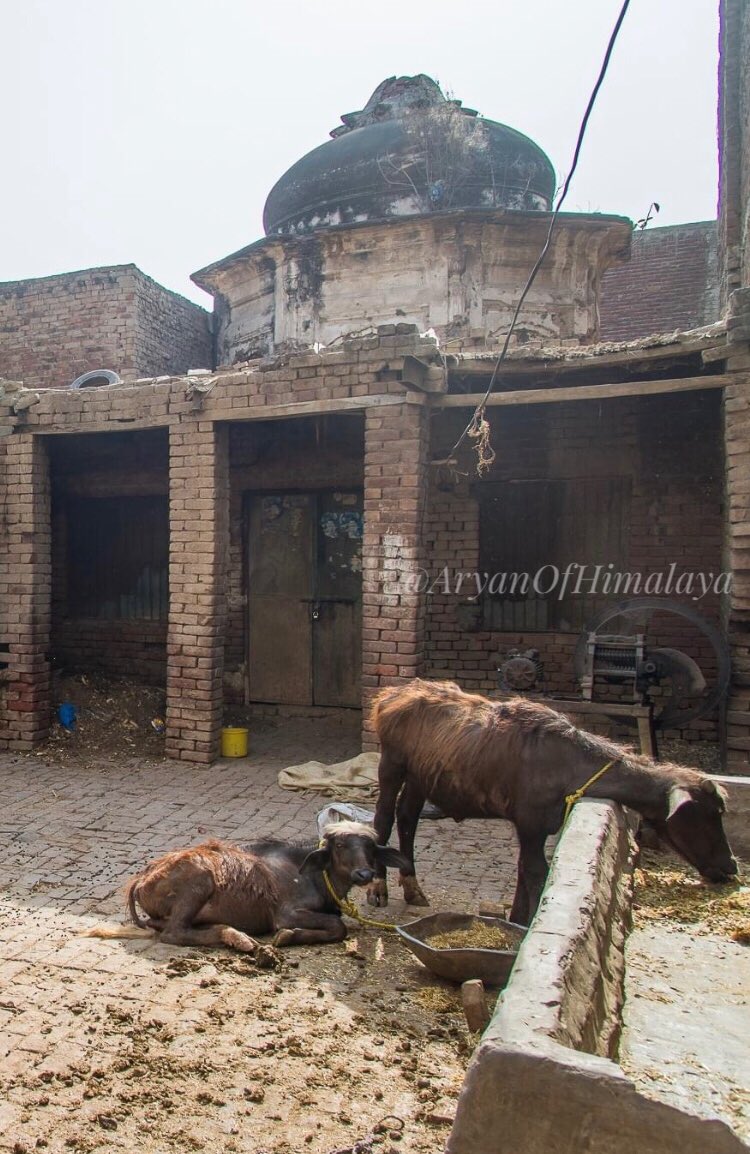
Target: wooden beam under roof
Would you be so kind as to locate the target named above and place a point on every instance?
(583, 392)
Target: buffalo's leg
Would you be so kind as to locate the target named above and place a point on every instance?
(216, 935)
(391, 775)
(409, 807)
(532, 874)
(178, 929)
(296, 927)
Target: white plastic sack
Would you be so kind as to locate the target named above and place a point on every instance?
(342, 811)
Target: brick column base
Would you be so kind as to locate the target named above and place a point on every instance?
(198, 546)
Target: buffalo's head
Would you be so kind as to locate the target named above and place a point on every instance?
(349, 853)
(694, 827)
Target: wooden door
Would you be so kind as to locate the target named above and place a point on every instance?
(305, 598)
(337, 626)
(280, 571)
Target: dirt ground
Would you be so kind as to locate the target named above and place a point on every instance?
(687, 1011)
(131, 1045)
(224, 1056)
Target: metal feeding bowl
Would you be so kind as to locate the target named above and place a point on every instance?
(464, 963)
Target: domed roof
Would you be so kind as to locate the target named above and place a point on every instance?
(409, 151)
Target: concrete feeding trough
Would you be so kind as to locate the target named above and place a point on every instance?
(462, 964)
(545, 1077)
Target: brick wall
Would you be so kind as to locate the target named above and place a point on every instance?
(53, 329)
(670, 447)
(25, 593)
(172, 334)
(737, 520)
(131, 649)
(671, 282)
(734, 145)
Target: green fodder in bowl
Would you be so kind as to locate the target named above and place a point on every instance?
(477, 936)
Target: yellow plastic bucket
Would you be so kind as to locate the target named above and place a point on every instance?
(234, 742)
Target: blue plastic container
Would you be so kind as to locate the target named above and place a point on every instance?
(67, 715)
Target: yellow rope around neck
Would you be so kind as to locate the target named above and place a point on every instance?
(572, 798)
(351, 910)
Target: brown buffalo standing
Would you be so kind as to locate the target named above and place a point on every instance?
(519, 760)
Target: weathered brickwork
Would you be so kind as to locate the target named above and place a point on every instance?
(130, 649)
(734, 145)
(396, 446)
(668, 446)
(363, 366)
(670, 282)
(53, 329)
(670, 450)
(25, 594)
(199, 520)
(737, 529)
(172, 334)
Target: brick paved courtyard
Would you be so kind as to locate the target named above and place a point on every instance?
(73, 1010)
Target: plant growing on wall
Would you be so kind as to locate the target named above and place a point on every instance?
(445, 147)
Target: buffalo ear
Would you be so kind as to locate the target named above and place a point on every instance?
(316, 861)
(678, 796)
(708, 785)
(393, 858)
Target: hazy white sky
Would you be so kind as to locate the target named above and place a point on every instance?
(151, 130)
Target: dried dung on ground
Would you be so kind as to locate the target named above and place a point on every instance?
(332, 1051)
(666, 890)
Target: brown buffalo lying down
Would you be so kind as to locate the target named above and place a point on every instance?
(519, 760)
(217, 894)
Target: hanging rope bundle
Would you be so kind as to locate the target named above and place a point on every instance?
(479, 431)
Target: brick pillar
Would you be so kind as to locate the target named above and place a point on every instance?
(737, 536)
(393, 622)
(198, 545)
(25, 586)
(734, 146)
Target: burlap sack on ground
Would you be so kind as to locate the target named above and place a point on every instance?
(352, 780)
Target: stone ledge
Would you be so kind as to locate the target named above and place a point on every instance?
(541, 1080)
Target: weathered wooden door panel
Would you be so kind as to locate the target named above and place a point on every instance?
(305, 598)
(280, 569)
(337, 629)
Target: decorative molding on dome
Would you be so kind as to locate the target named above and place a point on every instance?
(396, 97)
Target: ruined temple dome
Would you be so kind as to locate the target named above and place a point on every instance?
(410, 151)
